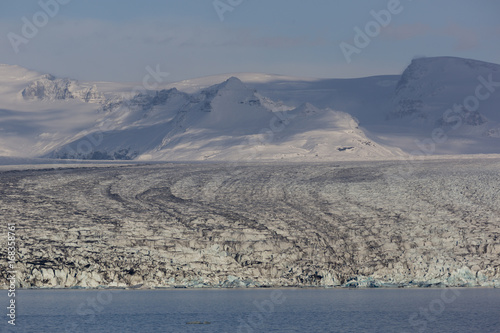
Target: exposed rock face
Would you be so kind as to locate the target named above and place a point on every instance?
(212, 225)
(49, 88)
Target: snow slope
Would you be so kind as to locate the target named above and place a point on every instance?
(251, 116)
(33, 127)
(226, 121)
(401, 110)
(458, 97)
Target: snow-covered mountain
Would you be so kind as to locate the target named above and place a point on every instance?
(226, 121)
(33, 125)
(250, 116)
(406, 111)
(429, 87)
(451, 103)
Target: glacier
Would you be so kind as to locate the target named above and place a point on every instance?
(177, 225)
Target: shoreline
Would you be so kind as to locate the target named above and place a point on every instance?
(253, 288)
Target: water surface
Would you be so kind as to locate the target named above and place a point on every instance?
(262, 310)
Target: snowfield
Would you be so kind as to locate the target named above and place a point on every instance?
(439, 105)
(349, 224)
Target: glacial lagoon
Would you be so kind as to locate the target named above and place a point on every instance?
(259, 310)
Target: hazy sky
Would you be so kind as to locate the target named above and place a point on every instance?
(114, 40)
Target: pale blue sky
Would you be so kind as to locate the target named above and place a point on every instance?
(114, 40)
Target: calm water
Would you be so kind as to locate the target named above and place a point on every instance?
(264, 310)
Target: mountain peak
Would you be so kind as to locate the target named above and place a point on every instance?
(231, 87)
(429, 87)
(432, 74)
(432, 67)
(447, 60)
(233, 83)
(307, 109)
(223, 117)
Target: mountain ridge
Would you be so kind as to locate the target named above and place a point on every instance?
(252, 117)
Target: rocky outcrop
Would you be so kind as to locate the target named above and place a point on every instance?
(47, 87)
(214, 225)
